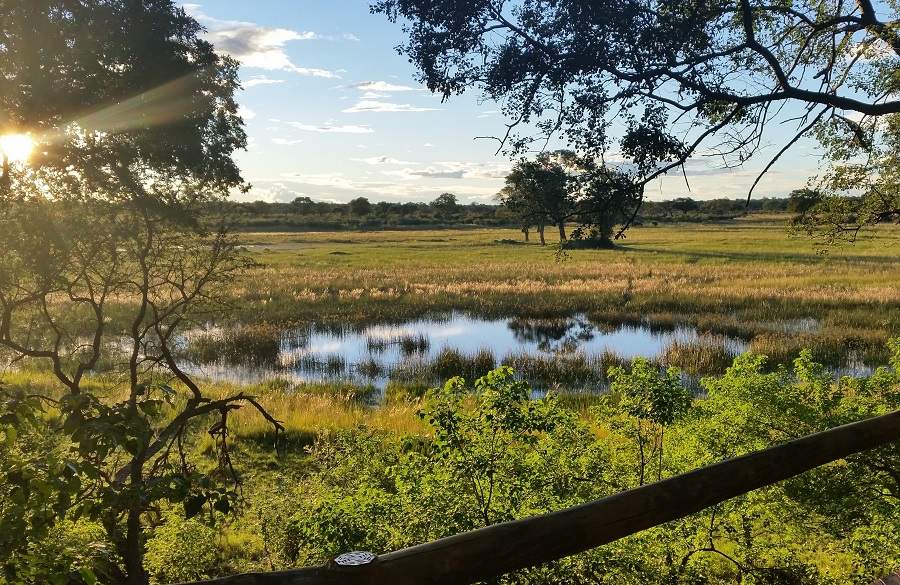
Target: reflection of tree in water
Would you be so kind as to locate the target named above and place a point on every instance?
(553, 335)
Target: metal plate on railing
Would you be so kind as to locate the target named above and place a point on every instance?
(355, 558)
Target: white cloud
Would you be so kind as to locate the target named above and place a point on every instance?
(488, 114)
(381, 107)
(381, 160)
(340, 187)
(350, 37)
(260, 80)
(254, 45)
(381, 87)
(429, 173)
(286, 142)
(330, 128)
(452, 170)
(246, 113)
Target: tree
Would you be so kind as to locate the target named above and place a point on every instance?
(539, 193)
(605, 196)
(445, 205)
(685, 205)
(802, 200)
(559, 187)
(861, 188)
(104, 258)
(613, 76)
(521, 205)
(360, 207)
(655, 401)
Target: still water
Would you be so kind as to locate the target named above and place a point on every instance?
(369, 355)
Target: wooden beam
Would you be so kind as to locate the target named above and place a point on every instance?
(501, 548)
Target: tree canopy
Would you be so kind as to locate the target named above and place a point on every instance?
(658, 82)
(107, 254)
(122, 98)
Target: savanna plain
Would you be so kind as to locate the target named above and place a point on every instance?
(760, 337)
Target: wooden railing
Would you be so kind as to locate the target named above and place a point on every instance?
(501, 548)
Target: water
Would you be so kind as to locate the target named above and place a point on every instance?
(371, 354)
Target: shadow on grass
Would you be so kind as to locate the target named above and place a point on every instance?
(803, 258)
(290, 440)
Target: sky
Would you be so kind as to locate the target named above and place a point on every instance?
(333, 112)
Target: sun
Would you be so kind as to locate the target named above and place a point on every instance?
(16, 147)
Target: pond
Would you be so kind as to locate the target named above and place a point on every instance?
(572, 351)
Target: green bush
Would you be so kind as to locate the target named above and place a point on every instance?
(181, 550)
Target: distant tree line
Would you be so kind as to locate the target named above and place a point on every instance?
(303, 213)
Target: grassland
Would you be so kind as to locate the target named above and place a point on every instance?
(745, 278)
(748, 278)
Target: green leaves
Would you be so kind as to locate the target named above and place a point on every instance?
(646, 393)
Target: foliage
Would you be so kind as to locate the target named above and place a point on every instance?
(181, 550)
(445, 205)
(360, 207)
(37, 482)
(859, 189)
(494, 455)
(304, 214)
(540, 192)
(104, 257)
(652, 401)
(489, 453)
(613, 78)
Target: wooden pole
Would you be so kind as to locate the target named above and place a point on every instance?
(501, 548)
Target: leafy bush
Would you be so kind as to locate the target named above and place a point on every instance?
(181, 550)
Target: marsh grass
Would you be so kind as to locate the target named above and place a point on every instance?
(369, 368)
(567, 371)
(448, 363)
(413, 344)
(396, 391)
(255, 343)
(701, 356)
(409, 344)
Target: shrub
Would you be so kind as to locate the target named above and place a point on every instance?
(181, 550)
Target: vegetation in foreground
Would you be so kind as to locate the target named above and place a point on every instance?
(345, 477)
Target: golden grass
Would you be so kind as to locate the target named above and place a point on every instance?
(681, 265)
(304, 409)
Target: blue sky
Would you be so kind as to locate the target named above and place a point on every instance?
(333, 113)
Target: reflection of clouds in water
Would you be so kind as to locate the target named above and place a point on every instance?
(322, 352)
(389, 332)
(327, 347)
(446, 331)
(430, 329)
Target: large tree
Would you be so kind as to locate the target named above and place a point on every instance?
(445, 205)
(560, 187)
(541, 191)
(659, 81)
(105, 257)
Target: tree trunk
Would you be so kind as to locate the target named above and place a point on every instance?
(134, 550)
(562, 231)
(525, 231)
(606, 234)
(541, 233)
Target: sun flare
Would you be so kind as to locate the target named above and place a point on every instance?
(16, 147)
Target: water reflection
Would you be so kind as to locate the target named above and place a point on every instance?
(553, 335)
(425, 350)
